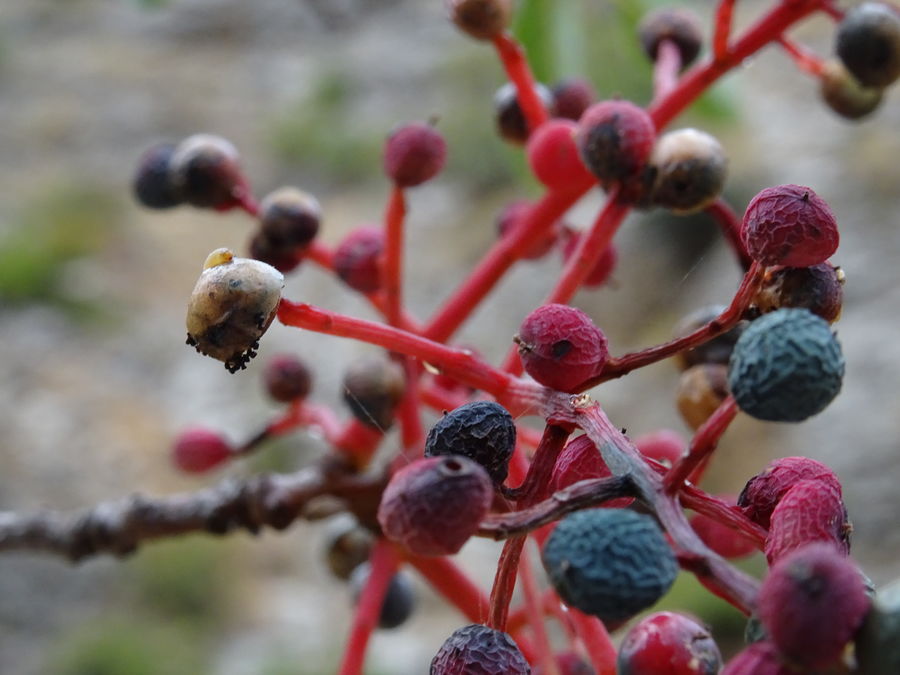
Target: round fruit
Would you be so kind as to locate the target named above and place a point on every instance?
(677, 25)
(482, 19)
(511, 122)
(287, 378)
(572, 97)
(399, 599)
(819, 288)
(811, 510)
(615, 139)
(151, 184)
(580, 460)
(719, 537)
(205, 171)
(282, 258)
(348, 547)
(689, 170)
(553, 155)
(844, 94)
(197, 450)
(479, 650)
(868, 42)
(356, 259)
(289, 217)
(373, 387)
(413, 154)
(667, 643)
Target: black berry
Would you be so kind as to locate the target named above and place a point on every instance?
(479, 650)
(151, 184)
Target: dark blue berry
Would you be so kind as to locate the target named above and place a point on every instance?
(399, 599)
(152, 186)
(611, 563)
(787, 366)
(483, 431)
(479, 650)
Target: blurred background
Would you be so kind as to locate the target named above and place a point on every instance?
(96, 378)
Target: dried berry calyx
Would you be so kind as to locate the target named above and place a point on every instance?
(482, 431)
(868, 42)
(667, 643)
(482, 19)
(688, 169)
(413, 154)
(231, 306)
(787, 366)
(679, 26)
(479, 650)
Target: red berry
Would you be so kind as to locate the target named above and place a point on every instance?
(413, 154)
(760, 658)
(604, 266)
(479, 650)
(664, 445)
(287, 378)
(762, 493)
(789, 225)
(561, 347)
(572, 97)
(720, 538)
(197, 450)
(553, 155)
(615, 139)
(677, 25)
(356, 259)
(811, 603)
(667, 643)
(811, 510)
(578, 461)
(513, 215)
(433, 506)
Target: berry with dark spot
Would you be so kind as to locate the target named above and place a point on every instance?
(478, 650)
(611, 563)
(602, 269)
(819, 288)
(667, 643)
(482, 19)
(413, 154)
(483, 431)
(152, 185)
(716, 350)
(810, 511)
(615, 139)
(205, 172)
(812, 603)
(680, 26)
(433, 505)
(689, 170)
(844, 94)
(760, 658)
(553, 155)
(789, 225)
(287, 378)
(373, 387)
(581, 460)
(572, 97)
(868, 42)
(701, 390)
(399, 599)
(197, 450)
(560, 347)
(787, 366)
(511, 122)
(356, 259)
(513, 215)
(289, 217)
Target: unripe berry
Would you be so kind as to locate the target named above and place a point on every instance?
(287, 378)
(231, 306)
(615, 139)
(810, 511)
(868, 42)
(811, 603)
(348, 547)
(716, 350)
(482, 19)
(760, 658)
(282, 258)
(205, 171)
(819, 288)
(373, 387)
(787, 366)
(356, 259)
(677, 25)
(512, 216)
(701, 389)
(689, 170)
(667, 643)
(762, 493)
(665, 446)
(151, 183)
(844, 94)
(511, 122)
(479, 650)
(433, 505)
(399, 598)
(553, 155)
(413, 154)
(789, 225)
(604, 266)
(581, 460)
(611, 563)
(719, 537)
(289, 217)
(561, 347)
(197, 450)
(482, 431)
(572, 97)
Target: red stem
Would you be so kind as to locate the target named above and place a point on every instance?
(666, 69)
(596, 641)
(519, 73)
(534, 611)
(383, 563)
(730, 224)
(505, 582)
(412, 434)
(702, 445)
(722, 29)
(358, 441)
(535, 486)
(453, 584)
(806, 60)
(392, 269)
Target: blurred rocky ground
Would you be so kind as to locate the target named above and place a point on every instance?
(95, 376)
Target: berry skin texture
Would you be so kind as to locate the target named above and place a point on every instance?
(482, 19)
(151, 185)
(356, 259)
(844, 94)
(399, 600)
(604, 266)
(787, 366)
(433, 505)
(615, 139)
(478, 650)
(611, 563)
(287, 378)
(512, 217)
(231, 306)
(553, 155)
(413, 154)
(812, 603)
(205, 171)
(760, 658)
(868, 42)
(789, 225)
(667, 643)
(373, 387)
(689, 169)
(482, 431)
(580, 460)
(572, 97)
(289, 217)
(680, 26)
(198, 450)
(810, 511)
(560, 347)
(819, 288)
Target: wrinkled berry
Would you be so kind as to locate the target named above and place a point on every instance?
(289, 217)
(689, 170)
(479, 650)
(811, 603)
(819, 288)
(483, 431)
(197, 450)
(615, 139)
(152, 184)
(231, 306)
(762, 493)
(572, 97)
(348, 546)
(553, 155)
(413, 154)
(678, 25)
(716, 350)
(760, 658)
(482, 19)
(561, 347)
(287, 378)
(667, 643)
(701, 389)
(205, 171)
(719, 537)
(811, 510)
(356, 259)
(787, 366)
(512, 216)
(511, 122)
(373, 386)
(604, 266)
(433, 505)
(581, 460)
(868, 42)
(844, 94)
(611, 563)
(789, 225)
(399, 599)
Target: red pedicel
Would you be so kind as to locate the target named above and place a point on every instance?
(719, 537)
(602, 269)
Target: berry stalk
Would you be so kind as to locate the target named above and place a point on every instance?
(722, 29)
(519, 73)
(392, 269)
(596, 641)
(806, 59)
(730, 224)
(702, 445)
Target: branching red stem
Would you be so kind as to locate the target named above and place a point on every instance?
(702, 445)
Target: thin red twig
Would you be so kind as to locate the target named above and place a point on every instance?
(519, 73)
(702, 445)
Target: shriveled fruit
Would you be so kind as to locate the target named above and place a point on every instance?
(810, 511)
(819, 288)
(478, 650)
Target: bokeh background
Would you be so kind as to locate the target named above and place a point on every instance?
(95, 376)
